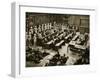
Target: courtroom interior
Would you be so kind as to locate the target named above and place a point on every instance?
(56, 39)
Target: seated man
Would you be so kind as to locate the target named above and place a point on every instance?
(57, 55)
(45, 53)
(64, 59)
(57, 40)
(45, 40)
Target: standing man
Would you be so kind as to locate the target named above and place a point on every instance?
(35, 40)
